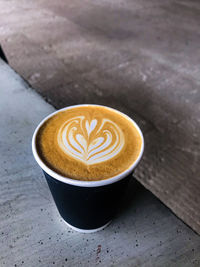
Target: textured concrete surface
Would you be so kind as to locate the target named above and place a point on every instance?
(144, 233)
(141, 57)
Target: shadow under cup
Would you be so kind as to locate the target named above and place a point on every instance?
(86, 206)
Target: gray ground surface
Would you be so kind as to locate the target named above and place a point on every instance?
(141, 57)
(144, 233)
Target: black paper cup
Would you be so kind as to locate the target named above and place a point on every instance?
(86, 206)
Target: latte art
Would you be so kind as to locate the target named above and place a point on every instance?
(88, 142)
(91, 141)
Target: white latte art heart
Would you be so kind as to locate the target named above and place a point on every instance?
(91, 141)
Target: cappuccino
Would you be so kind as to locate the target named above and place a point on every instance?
(89, 142)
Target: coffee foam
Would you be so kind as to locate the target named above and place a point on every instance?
(88, 142)
(91, 141)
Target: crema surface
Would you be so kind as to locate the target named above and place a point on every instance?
(88, 143)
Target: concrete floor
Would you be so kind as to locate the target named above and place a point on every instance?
(144, 233)
(141, 57)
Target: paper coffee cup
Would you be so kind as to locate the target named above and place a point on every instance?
(86, 206)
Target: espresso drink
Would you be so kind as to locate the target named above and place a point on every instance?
(88, 142)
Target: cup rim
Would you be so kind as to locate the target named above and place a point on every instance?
(81, 183)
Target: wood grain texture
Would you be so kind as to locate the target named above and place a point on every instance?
(32, 233)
